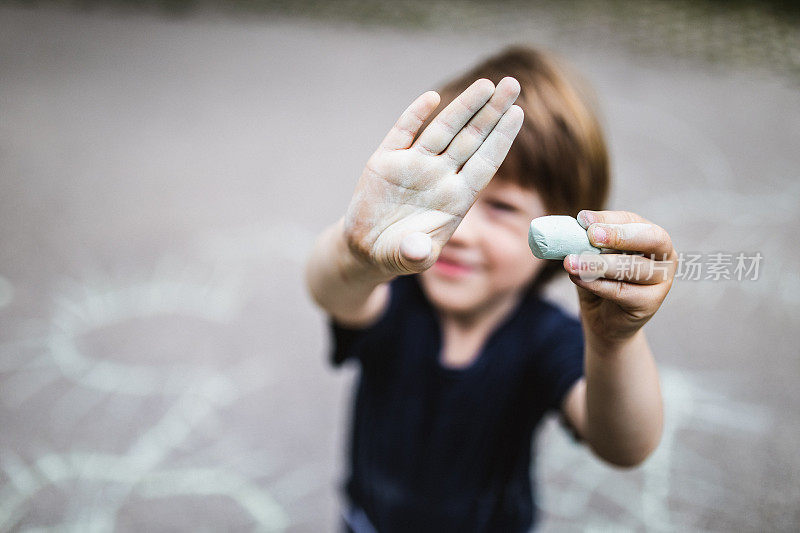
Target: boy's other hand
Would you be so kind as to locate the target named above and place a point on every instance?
(620, 292)
(412, 195)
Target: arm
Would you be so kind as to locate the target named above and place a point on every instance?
(411, 197)
(349, 289)
(617, 408)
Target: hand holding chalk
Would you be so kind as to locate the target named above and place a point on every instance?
(621, 287)
(557, 236)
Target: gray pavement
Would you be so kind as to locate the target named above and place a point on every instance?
(162, 179)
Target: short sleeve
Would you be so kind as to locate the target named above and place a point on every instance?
(348, 343)
(561, 362)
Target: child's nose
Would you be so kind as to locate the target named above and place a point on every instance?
(466, 232)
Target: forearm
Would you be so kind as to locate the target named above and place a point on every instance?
(338, 281)
(624, 411)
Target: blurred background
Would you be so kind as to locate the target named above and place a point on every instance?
(166, 165)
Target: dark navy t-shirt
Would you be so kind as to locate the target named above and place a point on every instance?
(441, 449)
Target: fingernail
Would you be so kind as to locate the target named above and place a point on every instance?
(572, 261)
(600, 233)
(583, 219)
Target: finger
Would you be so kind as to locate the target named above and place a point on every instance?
(405, 129)
(620, 267)
(586, 217)
(469, 139)
(483, 164)
(449, 122)
(629, 295)
(417, 252)
(649, 239)
(416, 246)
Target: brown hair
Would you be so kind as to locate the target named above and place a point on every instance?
(560, 151)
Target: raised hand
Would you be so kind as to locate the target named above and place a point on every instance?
(412, 195)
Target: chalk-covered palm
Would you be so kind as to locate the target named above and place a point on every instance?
(412, 197)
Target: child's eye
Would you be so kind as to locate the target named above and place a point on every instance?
(501, 206)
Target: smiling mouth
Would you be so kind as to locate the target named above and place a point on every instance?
(452, 269)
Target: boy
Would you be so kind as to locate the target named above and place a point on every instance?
(429, 284)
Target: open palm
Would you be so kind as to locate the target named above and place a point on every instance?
(412, 195)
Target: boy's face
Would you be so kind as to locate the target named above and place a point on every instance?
(487, 260)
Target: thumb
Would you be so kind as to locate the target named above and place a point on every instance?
(416, 251)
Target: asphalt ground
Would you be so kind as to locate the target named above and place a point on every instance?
(161, 182)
